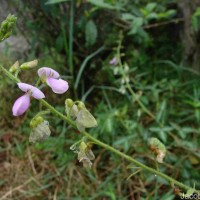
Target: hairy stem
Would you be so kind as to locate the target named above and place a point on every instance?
(106, 146)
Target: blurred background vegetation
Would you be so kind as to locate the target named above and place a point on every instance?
(159, 45)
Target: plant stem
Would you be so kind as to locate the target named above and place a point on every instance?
(143, 166)
(128, 85)
(98, 142)
(12, 77)
(71, 31)
(80, 72)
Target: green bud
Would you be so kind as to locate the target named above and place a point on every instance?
(4, 25)
(82, 146)
(29, 65)
(7, 26)
(36, 121)
(14, 67)
(69, 107)
(69, 103)
(81, 105)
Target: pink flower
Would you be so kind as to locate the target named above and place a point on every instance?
(114, 61)
(22, 103)
(53, 80)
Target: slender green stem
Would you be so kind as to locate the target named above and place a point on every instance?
(12, 77)
(38, 82)
(70, 53)
(80, 72)
(98, 142)
(128, 85)
(71, 31)
(17, 72)
(143, 166)
(54, 111)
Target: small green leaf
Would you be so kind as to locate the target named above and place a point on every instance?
(128, 16)
(196, 19)
(190, 191)
(163, 136)
(151, 6)
(152, 15)
(55, 1)
(90, 33)
(101, 4)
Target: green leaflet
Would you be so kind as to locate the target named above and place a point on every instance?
(55, 1)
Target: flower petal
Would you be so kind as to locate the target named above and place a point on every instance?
(37, 94)
(114, 61)
(34, 92)
(46, 72)
(24, 87)
(21, 105)
(58, 86)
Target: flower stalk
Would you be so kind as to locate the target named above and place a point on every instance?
(106, 146)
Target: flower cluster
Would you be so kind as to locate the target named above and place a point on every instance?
(48, 76)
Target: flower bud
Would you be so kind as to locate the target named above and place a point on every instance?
(81, 105)
(35, 121)
(6, 27)
(29, 65)
(68, 106)
(74, 111)
(69, 103)
(14, 67)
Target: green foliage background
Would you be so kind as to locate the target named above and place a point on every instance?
(152, 49)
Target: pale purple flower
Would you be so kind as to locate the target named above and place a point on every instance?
(22, 103)
(53, 80)
(114, 61)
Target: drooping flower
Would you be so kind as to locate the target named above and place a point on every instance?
(84, 151)
(22, 103)
(40, 130)
(53, 80)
